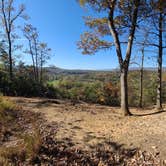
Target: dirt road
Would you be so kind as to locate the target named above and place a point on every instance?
(91, 125)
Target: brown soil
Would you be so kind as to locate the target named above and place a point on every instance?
(91, 125)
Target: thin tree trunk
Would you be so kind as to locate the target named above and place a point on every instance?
(33, 60)
(124, 92)
(34, 68)
(141, 80)
(37, 65)
(7, 25)
(41, 75)
(41, 68)
(10, 60)
(159, 73)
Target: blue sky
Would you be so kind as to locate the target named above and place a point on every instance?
(60, 24)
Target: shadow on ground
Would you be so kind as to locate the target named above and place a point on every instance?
(153, 113)
(63, 152)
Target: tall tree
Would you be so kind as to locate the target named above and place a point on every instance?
(9, 15)
(120, 21)
(39, 51)
(158, 22)
(4, 56)
(144, 33)
(161, 20)
(44, 55)
(31, 35)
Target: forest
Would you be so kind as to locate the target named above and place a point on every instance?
(84, 117)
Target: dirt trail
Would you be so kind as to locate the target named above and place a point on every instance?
(91, 125)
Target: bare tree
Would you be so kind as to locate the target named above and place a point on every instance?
(158, 22)
(9, 14)
(145, 35)
(31, 35)
(39, 51)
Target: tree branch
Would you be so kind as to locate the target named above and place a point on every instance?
(113, 30)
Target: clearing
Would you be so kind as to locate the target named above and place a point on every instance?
(90, 125)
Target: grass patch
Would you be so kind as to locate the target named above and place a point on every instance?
(32, 145)
(28, 150)
(12, 154)
(7, 109)
(29, 143)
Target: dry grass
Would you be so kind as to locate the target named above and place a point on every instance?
(27, 150)
(16, 144)
(32, 145)
(6, 106)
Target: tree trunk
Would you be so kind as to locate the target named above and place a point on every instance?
(123, 63)
(159, 88)
(11, 65)
(124, 92)
(10, 58)
(159, 73)
(36, 61)
(41, 73)
(141, 80)
(33, 60)
(41, 67)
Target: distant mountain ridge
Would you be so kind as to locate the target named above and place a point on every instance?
(57, 70)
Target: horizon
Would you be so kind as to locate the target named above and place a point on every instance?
(108, 69)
